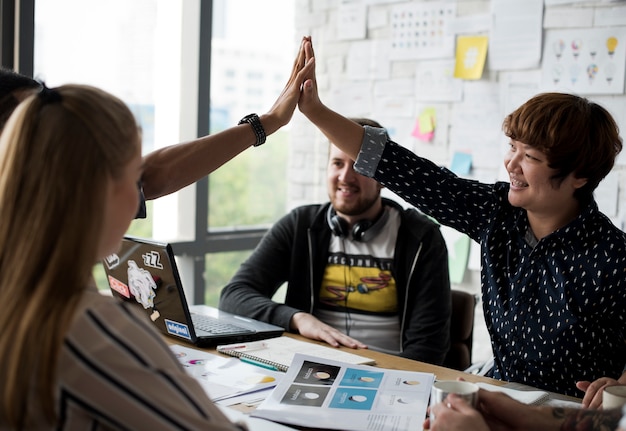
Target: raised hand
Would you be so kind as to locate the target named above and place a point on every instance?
(309, 98)
(281, 112)
(344, 133)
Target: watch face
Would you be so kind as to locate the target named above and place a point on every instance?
(248, 118)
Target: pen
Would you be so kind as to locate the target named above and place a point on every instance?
(259, 364)
(241, 346)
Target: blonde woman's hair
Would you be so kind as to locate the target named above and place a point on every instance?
(58, 152)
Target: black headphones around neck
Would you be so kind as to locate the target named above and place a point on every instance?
(362, 231)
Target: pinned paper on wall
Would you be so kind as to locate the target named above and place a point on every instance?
(458, 253)
(420, 30)
(471, 52)
(434, 81)
(585, 61)
(515, 34)
(424, 129)
(461, 163)
(352, 20)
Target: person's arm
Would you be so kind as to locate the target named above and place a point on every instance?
(169, 169)
(593, 390)
(116, 370)
(502, 413)
(344, 133)
(250, 290)
(468, 203)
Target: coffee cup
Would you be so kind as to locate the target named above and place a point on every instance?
(613, 397)
(442, 388)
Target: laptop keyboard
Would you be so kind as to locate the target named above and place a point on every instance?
(216, 326)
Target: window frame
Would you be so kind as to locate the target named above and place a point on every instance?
(17, 40)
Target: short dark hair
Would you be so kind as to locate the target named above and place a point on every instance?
(10, 83)
(576, 135)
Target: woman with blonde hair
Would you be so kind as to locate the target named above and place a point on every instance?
(71, 358)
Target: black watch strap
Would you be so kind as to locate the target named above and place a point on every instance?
(257, 127)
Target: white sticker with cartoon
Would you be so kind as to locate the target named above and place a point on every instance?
(141, 285)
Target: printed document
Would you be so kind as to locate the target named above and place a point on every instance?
(342, 396)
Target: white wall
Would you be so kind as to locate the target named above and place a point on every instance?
(357, 77)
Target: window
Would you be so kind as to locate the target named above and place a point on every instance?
(128, 49)
(248, 71)
(111, 47)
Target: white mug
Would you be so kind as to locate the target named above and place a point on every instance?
(442, 388)
(613, 397)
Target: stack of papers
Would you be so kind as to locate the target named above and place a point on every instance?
(224, 378)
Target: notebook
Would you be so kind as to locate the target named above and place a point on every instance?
(279, 352)
(531, 397)
(144, 273)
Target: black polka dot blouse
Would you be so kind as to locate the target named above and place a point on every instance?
(555, 311)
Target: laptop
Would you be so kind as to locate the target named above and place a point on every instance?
(144, 273)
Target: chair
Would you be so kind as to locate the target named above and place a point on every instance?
(459, 357)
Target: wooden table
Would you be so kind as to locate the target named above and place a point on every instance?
(384, 360)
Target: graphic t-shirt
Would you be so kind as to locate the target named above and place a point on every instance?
(358, 294)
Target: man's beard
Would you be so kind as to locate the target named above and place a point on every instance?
(353, 209)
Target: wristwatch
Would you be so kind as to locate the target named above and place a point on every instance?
(257, 127)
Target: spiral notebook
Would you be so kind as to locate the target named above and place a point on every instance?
(279, 352)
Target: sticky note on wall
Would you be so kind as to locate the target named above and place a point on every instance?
(461, 163)
(471, 52)
(425, 124)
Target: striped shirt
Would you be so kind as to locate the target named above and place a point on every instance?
(116, 372)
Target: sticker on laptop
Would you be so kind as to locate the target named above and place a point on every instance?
(152, 259)
(112, 260)
(141, 285)
(178, 329)
(119, 287)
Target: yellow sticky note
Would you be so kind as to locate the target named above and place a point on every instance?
(432, 112)
(426, 122)
(471, 52)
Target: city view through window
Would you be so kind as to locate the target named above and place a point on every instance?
(113, 46)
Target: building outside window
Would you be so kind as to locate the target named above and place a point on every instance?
(147, 52)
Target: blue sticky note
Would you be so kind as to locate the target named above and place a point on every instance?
(461, 163)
